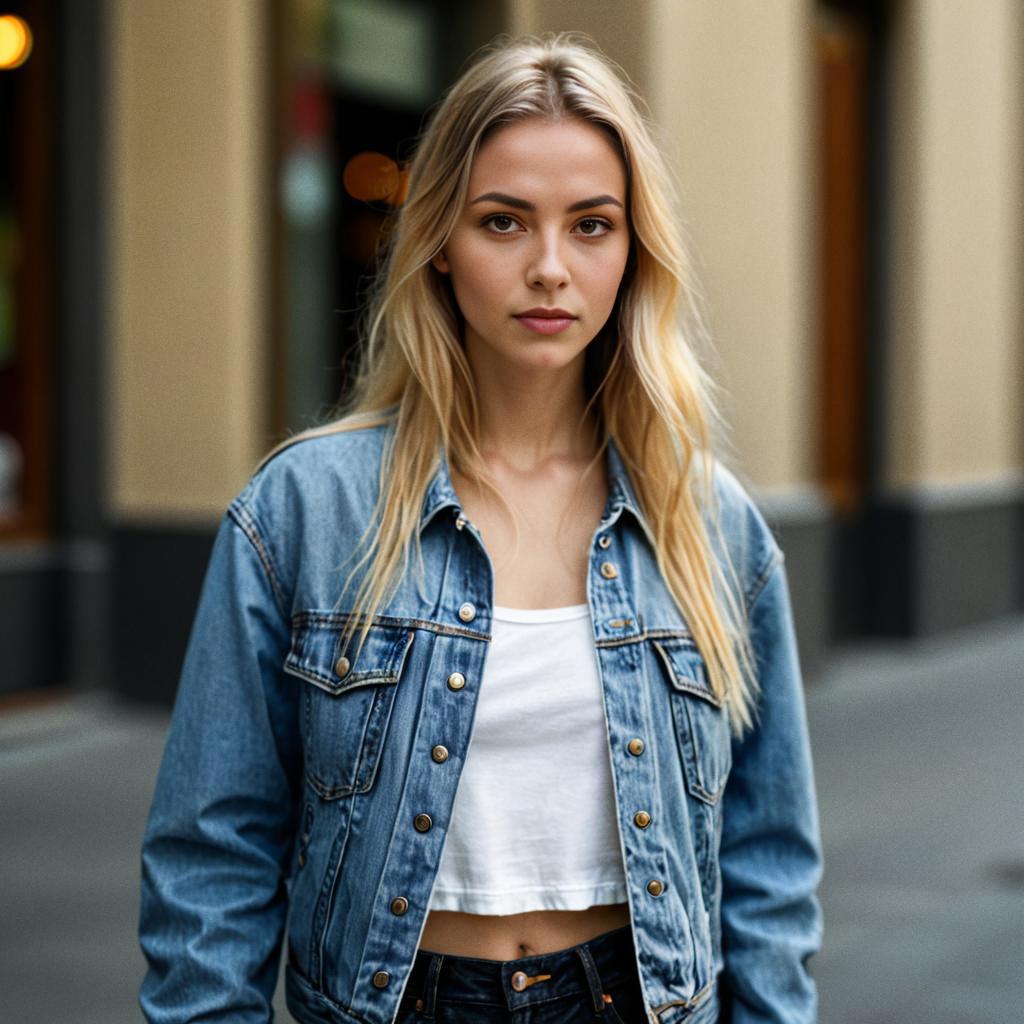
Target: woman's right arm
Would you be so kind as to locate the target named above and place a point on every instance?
(220, 830)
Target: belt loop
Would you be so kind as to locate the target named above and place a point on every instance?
(430, 984)
(593, 978)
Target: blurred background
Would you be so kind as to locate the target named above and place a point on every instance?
(181, 258)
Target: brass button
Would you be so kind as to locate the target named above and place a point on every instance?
(519, 981)
(460, 522)
(456, 681)
(608, 571)
(302, 859)
(604, 541)
(439, 754)
(420, 1004)
(642, 818)
(467, 612)
(342, 665)
(635, 746)
(399, 905)
(422, 822)
(381, 979)
(654, 887)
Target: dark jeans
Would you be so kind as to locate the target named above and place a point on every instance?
(594, 981)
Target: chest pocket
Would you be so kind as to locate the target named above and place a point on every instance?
(701, 722)
(347, 701)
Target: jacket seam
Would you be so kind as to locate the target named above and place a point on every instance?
(244, 519)
(775, 558)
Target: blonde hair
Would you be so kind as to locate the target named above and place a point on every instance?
(643, 379)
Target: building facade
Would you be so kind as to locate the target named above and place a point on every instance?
(852, 191)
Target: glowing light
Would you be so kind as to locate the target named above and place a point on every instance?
(15, 41)
(375, 177)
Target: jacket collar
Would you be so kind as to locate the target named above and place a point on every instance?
(621, 496)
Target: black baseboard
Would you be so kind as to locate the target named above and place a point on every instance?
(942, 559)
(156, 576)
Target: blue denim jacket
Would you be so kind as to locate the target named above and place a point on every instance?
(298, 783)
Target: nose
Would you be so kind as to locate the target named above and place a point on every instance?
(548, 268)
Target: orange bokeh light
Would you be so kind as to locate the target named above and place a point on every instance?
(15, 41)
(375, 177)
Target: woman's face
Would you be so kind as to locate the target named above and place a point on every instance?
(545, 229)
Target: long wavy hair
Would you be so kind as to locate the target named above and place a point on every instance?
(645, 386)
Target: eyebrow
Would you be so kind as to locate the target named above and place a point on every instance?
(522, 204)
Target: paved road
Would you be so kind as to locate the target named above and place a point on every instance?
(920, 774)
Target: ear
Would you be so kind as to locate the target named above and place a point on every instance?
(440, 262)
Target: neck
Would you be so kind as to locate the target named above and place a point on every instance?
(530, 416)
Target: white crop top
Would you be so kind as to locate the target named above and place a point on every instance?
(534, 821)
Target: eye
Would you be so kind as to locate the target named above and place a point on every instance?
(591, 224)
(499, 228)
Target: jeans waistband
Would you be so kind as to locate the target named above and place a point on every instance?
(586, 969)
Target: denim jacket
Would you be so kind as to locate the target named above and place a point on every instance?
(302, 788)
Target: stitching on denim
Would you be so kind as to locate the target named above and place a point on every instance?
(647, 634)
(247, 523)
(775, 559)
(333, 619)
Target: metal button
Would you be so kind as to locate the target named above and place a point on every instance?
(519, 981)
(456, 681)
(460, 522)
(399, 905)
(422, 822)
(654, 887)
(608, 571)
(420, 1004)
(439, 754)
(342, 665)
(635, 746)
(642, 819)
(302, 859)
(381, 979)
(467, 612)
(604, 541)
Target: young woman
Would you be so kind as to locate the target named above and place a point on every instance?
(492, 688)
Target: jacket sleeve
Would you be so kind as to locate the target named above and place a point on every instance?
(770, 852)
(219, 834)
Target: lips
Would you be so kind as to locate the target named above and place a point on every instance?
(546, 321)
(542, 313)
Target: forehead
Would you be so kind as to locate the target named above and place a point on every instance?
(553, 157)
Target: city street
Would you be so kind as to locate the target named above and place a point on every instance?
(920, 771)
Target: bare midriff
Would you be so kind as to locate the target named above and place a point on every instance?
(512, 936)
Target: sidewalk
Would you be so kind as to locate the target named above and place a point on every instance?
(920, 772)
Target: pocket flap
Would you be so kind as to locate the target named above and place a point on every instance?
(317, 655)
(686, 669)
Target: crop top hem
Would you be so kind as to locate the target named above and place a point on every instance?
(523, 900)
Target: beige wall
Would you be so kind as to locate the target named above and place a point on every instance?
(958, 216)
(187, 343)
(731, 82)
